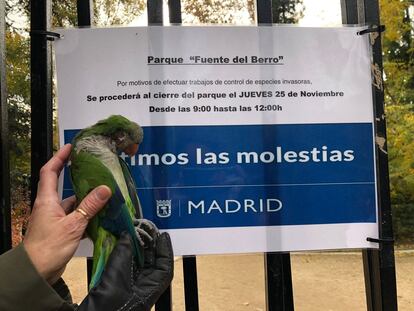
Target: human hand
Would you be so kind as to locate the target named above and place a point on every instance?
(54, 229)
(123, 286)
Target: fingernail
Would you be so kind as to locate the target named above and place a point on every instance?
(103, 193)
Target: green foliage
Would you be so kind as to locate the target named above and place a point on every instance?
(401, 165)
(287, 11)
(64, 13)
(398, 54)
(106, 12)
(18, 84)
(117, 12)
(217, 11)
(234, 11)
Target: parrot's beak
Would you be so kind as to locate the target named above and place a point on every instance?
(131, 150)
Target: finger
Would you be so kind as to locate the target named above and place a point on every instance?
(91, 205)
(59, 159)
(68, 204)
(50, 172)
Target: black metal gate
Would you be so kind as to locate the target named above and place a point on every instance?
(379, 265)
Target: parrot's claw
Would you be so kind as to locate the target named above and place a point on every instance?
(147, 232)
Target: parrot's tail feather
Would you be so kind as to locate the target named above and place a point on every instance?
(98, 271)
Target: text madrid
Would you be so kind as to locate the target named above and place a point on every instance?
(235, 206)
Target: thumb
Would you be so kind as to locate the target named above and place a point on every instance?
(92, 204)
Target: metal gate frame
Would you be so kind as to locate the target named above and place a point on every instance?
(379, 265)
(5, 206)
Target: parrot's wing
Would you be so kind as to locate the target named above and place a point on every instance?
(118, 219)
(132, 189)
(87, 173)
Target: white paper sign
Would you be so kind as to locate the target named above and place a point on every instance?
(256, 139)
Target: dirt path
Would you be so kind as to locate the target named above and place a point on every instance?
(322, 282)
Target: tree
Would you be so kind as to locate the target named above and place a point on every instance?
(401, 164)
(287, 11)
(18, 67)
(18, 80)
(218, 12)
(117, 12)
(238, 11)
(398, 54)
(64, 14)
(398, 51)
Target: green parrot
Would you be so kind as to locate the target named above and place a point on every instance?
(94, 161)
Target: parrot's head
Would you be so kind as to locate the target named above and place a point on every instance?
(125, 134)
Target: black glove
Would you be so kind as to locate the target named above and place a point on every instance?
(124, 287)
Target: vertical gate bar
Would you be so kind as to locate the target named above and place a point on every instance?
(381, 263)
(279, 291)
(189, 262)
(349, 11)
(372, 280)
(361, 11)
(89, 266)
(155, 11)
(190, 283)
(164, 303)
(154, 8)
(5, 208)
(264, 11)
(174, 9)
(84, 9)
(41, 91)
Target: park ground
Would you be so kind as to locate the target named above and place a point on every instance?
(321, 282)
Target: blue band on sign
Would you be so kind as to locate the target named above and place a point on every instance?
(254, 175)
